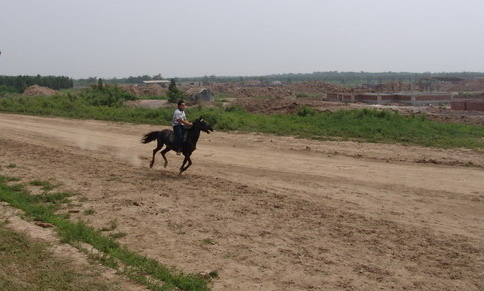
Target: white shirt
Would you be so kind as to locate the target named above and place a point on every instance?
(179, 114)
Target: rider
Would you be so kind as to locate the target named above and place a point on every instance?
(179, 123)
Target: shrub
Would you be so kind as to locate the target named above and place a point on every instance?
(106, 95)
(306, 111)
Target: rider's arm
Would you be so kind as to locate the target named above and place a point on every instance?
(185, 122)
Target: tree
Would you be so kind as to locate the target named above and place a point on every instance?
(174, 94)
(100, 84)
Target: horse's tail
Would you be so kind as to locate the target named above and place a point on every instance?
(149, 137)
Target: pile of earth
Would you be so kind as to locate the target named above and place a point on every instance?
(313, 87)
(472, 85)
(145, 90)
(237, 90)
(36, 90)
(288, 105)
(391, 87)
(318, 87)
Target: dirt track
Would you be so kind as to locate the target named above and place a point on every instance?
(271, 213)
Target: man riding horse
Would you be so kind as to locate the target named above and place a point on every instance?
(179, 123)
(185, 143)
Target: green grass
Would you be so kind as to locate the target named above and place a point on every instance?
(27, 264)
(89, 211)
(142, 269)
(45, 185)
(11, 166)
(365, 125)
(111, 225)
(153, 97)
(208, 241)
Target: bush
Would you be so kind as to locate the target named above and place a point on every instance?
(4, 89)
(107, 95)
(306, 111)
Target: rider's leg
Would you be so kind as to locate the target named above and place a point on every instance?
(178, 130)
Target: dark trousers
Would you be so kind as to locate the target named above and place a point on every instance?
(179, 130)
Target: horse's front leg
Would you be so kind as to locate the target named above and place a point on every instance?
(183, 168)
(163, 152)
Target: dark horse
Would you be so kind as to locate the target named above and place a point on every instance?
(166, 137)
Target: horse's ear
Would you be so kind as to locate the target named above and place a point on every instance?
(200, 118)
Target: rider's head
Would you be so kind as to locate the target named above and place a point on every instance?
(181, 105)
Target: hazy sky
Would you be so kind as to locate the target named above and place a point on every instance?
(108, 38)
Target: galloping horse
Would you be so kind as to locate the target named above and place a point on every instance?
(166, 137)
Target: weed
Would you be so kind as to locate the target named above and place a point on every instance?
(89, 211)
(111, 225)
(12, 179)
(11, 166)
(45, 185)
(117, 235)
(83, 199)
(208, 241)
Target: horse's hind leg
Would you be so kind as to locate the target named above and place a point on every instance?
(163, 152)
(158, 147)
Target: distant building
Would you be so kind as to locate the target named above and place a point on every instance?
(163, 83)
(200, 94)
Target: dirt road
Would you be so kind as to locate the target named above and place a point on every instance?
(269, 212)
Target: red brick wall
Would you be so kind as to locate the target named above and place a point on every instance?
(475, 105)
(432, 98)
(367, 97)
(458, 105)
(469, 105)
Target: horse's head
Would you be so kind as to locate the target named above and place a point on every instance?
(203, 125)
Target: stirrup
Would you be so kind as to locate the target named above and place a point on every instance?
(178, 153)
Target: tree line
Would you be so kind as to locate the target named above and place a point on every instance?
(18, 84)
(343, 78)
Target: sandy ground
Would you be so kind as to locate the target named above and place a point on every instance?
(268, 212)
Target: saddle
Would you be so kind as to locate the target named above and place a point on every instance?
(171, 138)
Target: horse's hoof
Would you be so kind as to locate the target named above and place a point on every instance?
(151, 166)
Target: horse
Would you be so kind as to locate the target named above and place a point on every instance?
(167, 137)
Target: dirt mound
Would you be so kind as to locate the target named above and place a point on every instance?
(393, 87)
(145, 90)
(311, 88)
(36, 90)
(317, 87)
(288, 105)
(469, 86)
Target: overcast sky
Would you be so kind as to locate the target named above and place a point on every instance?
(119, 38)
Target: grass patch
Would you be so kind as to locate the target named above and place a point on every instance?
(365, 125)
(89, 211)
(45, 185)
(208, 241)
(30, 265)
(11, 166)
(139, 268)
(54, 198)
(117, 235)
(111, 225)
